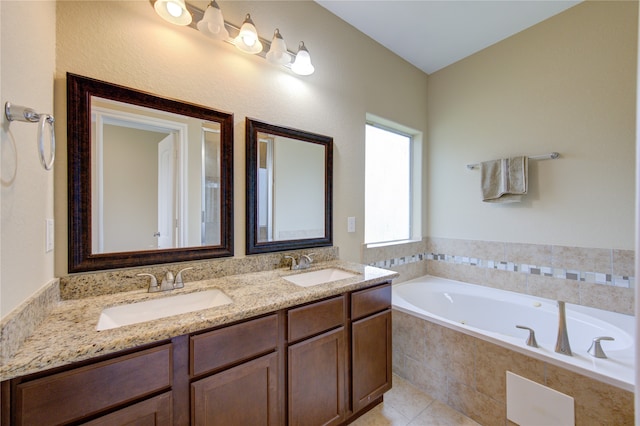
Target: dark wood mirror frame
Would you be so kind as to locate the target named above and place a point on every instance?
(79, 92)
(253, 127)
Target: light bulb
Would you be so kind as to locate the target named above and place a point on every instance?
(247, 39)
(174, 11)
(278, 52)
(302, 64)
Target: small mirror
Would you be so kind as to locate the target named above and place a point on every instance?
(289, 188)
(150, 179)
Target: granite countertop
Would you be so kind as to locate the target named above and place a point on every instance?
(69, 333)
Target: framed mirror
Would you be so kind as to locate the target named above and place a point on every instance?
(289, 188)
(150, 179)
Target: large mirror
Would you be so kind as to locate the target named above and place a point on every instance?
(289, 188)
(150, 178)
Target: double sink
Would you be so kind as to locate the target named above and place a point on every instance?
(134, 313)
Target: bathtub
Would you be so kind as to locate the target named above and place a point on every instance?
(492, 315)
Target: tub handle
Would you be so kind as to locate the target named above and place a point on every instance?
(596, 349)
(531, 340)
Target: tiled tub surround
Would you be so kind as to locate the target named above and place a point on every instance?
(18, 325)
(68, 333)
(468, 374)
(600, 278)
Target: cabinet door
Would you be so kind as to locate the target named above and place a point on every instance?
(243, 395)
(317, 380)
(371, 357)
(152, 412)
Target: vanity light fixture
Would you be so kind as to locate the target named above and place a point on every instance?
(278, 53)
(302, 64)
(248, 40)
(211, 23)
(174, 11)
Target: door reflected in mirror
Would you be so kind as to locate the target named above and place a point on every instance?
(155, 179)
(289, 178)
(150, 178)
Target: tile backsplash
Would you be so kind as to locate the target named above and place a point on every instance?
(602, 278)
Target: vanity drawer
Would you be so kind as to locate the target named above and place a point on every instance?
(229, 345)
(74, 394)
(370, 301)
(316, 318)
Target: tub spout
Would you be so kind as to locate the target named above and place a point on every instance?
(562, 344)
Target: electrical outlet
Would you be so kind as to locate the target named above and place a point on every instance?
(351, 224)
(48, 235)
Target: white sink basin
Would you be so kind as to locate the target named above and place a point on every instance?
(134, 313)
(322, 276)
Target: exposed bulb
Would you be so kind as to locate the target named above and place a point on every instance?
(174, 11)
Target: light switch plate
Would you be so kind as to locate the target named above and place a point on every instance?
(351, 224)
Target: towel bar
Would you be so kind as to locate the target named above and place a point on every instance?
(550, 156)
(20, 113)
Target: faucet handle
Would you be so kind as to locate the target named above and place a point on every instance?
(531, 340)
(179, 283)
(308, 257)
(596, 349)
(153, 284)
(294, 265)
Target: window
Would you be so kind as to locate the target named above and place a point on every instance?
(392, 183)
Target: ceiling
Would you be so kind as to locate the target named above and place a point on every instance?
(431, 34)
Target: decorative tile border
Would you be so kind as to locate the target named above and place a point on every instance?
(546, 271)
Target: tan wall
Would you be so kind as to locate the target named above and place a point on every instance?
(127, 43)
(28, 64)
(567, 84)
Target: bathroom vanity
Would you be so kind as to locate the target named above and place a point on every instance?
(322, 357)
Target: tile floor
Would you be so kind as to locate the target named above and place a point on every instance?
(406, 405)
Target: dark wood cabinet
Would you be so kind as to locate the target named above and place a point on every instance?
(322, 363)
(370, 345)
(243, 395)
(154, 411)
(82, 393)
(371, 358)
(317, 376)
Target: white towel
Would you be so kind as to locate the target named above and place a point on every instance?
(504, 180)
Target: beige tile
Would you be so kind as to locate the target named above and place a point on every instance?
(596, 403)
(409, 335)
(487, 250)
(493, 361)
(583, 259)
(506, 280)
(451, 352)
(531, 254)
(450, 246)
(624, 262)
(478, 406)
(410, 271)
(439, 414)
(554, 288)
(405, 398)
(610, 298)
(431, 381)
(381, 415)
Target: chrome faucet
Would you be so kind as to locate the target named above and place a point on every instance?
(169, 282)
(304, 261)
(562, 343)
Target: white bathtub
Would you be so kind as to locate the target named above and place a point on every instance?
(492, 315)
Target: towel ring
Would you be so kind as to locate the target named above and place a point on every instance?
(44, 120)
(28, 115)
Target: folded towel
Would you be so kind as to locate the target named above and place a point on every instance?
(505, 180)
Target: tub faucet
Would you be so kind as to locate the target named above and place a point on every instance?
(562, 344)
